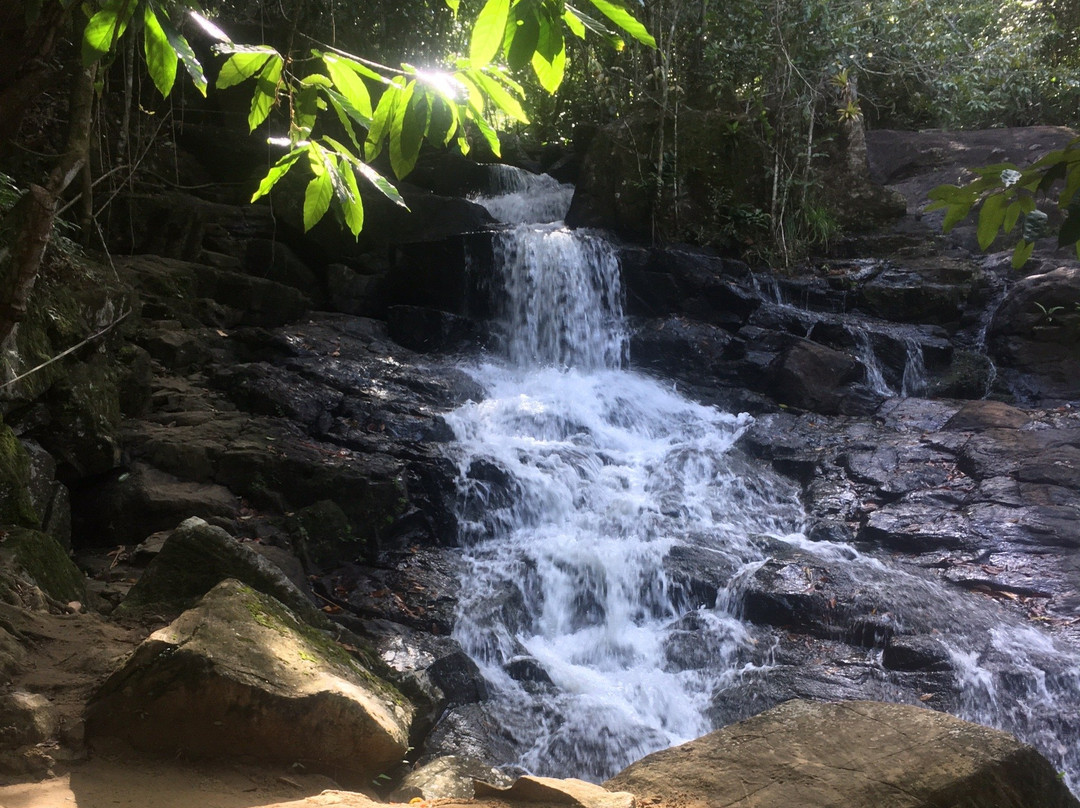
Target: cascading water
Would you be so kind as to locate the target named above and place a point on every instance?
(580, 480)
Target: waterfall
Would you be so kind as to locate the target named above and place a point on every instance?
(578, 483)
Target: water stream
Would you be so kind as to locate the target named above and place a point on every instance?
(579, 478)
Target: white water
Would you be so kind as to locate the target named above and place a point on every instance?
(577, 479)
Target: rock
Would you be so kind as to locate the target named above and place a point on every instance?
(241, 676)
(26, 719)
(38, 558)
(1036, 334)
(126, 508)
(678, 345)
(449, 777)
(552, 791)
(198, 556)
(812, 377)
(322, 536)
(850, 754)
(16, 496)
(430, 330)
(976, 416)
(84, 421)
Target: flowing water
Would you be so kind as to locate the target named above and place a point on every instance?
(580, 480)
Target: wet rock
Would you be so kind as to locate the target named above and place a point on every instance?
(198, 556)
(430, 330)
(240, 675)
(84, 420)
(677, 344)
(921, 522)
(527, 669)
(812, 377)
(471, 731)
(903, 295)
(1036, 333)
(853, 754)
(449, 777)
(915, 653)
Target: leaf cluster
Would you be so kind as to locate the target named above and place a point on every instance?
(1007, 196)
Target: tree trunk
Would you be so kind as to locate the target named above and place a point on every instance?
(25, 231)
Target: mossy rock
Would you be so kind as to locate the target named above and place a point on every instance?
(84, 411)
(40, 558)
(16, 505)
(323, 537)
(242, 675)
(198, 556)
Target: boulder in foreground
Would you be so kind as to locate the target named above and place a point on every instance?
(852, 755)
(240, 676)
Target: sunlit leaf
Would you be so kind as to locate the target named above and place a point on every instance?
(574, 23)
(161, 59)
(317, 198)
(209, 28)
(499, 96)
(187, 56)
(354, 207)
(407, 131)
(104, 30)
(241, 66)
(549, 60)
(487, 32)
(381, 119)
(349, 83)
(277, 171)
(265, 92)
(523, 39)
(624, 20)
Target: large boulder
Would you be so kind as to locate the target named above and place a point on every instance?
(813, 377)
(852, 754)
(240, 675)
(1036, 333)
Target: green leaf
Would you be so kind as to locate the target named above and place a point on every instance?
(161, 59)
(277, 171)
(956, 213)
(209, 28)
(488, 31)
(353, 208)
(265, 92)
(523, 38)
(381, 183)
(549, 60)
(317, 199)
(499, 95)
(1070, 228)
(381, 119)
(597, 27)
(453, 5)
(241, 66)
(305, 111)
(624, 20)
(104, 30)
(1022, 253)
(574, 23)
(187, 56)
(1012, 214)
(349, 83)
(991, 215)
(407, 130)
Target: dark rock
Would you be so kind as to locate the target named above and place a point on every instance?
(322, 536)
(430, 330)
(449, 777)
(1036, 333)
(472, 731)
(676, 344)
(196, 558)
(125, 508)
(979, 415)
(527, 669)
(812, 377)
(915, 653)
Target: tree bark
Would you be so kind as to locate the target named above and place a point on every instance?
(25, 231)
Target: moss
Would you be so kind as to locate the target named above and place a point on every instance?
(43, 560)
(16, 506)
